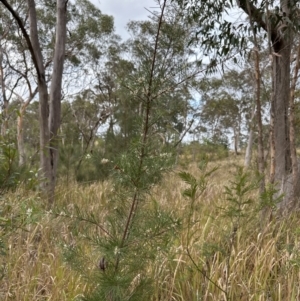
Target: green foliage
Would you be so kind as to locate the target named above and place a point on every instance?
(217, 35)
(11, 174)
(227, 104)
(122, 128)
(94, 167)
(89, 26)
(270, 198)
(197, 152)
(239, 205)
(136, 228)
(238, 209)
(197, 186)
(8, 158)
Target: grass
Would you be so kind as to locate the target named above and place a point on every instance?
(208, 259)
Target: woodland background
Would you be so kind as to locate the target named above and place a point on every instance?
(162, 167)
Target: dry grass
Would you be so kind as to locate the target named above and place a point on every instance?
(258, 264)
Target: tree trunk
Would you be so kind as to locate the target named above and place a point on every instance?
(295, 170)
(55, 90)
(248, 154)
(20, 128)
(236, 140)
(281, 43)
(48, 153)
(4, 108)
(281, 101)
(45, 167)
(49, 127)
(281, 89)
(260, 145)
(20, 136)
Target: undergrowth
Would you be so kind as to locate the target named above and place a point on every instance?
(217, 253)
(152, 231)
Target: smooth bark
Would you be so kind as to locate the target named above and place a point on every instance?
(48, 149)
(45, 166)
(4, 98)
(20, 136)
(248, 154)
(236, 138)
(20, 126)
(55, 89)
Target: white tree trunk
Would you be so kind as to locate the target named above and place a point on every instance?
(48, 149)
(248, 154)
(20, 137)
(55, 89)
(4, 108)
(45, 167)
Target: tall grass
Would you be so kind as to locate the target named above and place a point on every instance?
(205, 261)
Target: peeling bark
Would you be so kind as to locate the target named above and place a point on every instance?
(281, 44)
(295, 168)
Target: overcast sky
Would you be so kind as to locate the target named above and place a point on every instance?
(124, 11)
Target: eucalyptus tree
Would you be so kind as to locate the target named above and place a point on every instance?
(226, 103)
(279, 20)
(39, 65)
(222, 117)
(10, 42)
(254, 129)
(18, 85)
(48, 131)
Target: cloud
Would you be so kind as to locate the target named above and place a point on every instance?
(124, 11)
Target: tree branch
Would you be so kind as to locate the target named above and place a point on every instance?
(257, 16)
(25, 34)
